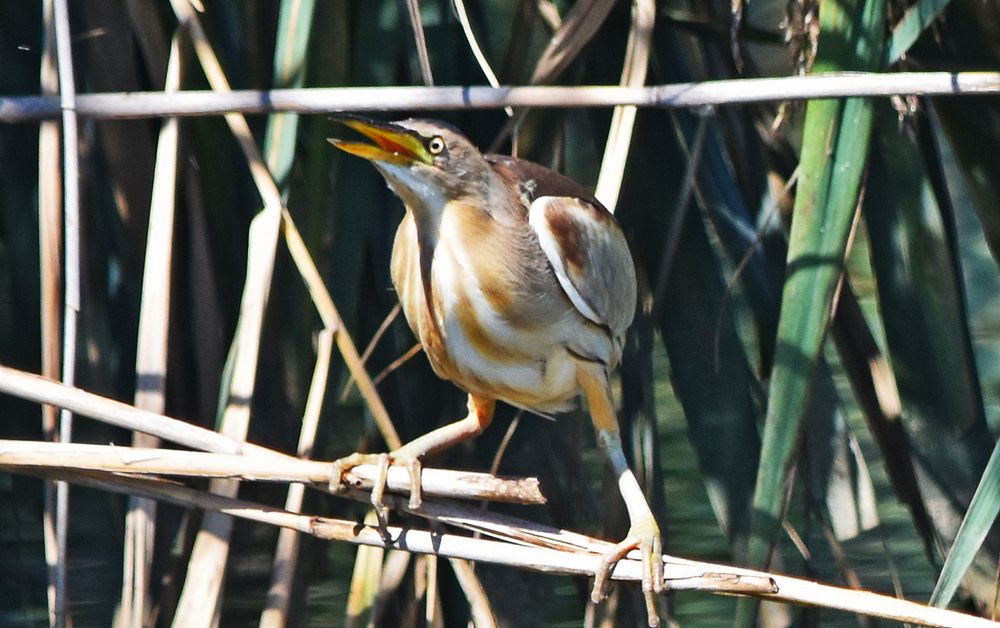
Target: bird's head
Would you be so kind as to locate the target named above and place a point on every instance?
(426, 162)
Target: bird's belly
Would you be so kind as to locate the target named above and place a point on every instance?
(489, 357)
(493, 347)
(524, 368)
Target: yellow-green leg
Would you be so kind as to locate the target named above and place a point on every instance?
(643, 534)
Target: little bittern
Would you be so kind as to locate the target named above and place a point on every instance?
(520, 286)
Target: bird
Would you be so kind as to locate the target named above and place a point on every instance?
(520, 285)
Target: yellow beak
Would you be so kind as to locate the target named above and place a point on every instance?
(393, 143)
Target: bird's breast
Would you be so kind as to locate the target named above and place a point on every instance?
(491, 315)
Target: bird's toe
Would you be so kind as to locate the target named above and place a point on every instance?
(644, 536)
(382, 462)
(339, 483)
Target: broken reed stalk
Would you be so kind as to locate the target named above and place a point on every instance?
(138, 461)
(680, 574)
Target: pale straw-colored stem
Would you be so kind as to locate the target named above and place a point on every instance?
(151, 353)
(286, 552)
(71, 274)
(43, 390)
(141, 461)
(680, 574)
(678, 95)
(50, 279)
(634, 69)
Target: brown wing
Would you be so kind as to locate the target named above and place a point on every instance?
(590, 256)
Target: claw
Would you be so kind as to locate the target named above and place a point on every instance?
(652, 569)
(383, 462)
(645, 537)
(378, 491)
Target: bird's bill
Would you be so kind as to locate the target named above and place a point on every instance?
(393, 143)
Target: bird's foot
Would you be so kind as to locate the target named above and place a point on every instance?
(383, 461)
(644, 536)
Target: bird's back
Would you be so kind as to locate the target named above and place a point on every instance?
(535, 180)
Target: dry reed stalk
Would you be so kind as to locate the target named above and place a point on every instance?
(321, 100)
(286, 553)
(294, 26)
(370, 347)
(680, 574)
(423, 56)
(476, 49)
(369, 577)
(357, 597)
(151, 354)
(479, 603)
(398, 362)
(640, 36)
(46, 391)
(150, 462)
(575, 32)
(199, 600)
(71, 276)
(427, 567)
(331, 320)
(50, 272)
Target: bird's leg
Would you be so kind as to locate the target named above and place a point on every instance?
(409, 455)
(480, 415)
(644, 534)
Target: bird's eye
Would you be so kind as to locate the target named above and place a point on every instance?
(435, 146)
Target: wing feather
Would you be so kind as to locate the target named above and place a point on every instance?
(590, 257)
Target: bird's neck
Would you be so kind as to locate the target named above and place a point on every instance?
(428, 232)
(434, 225)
